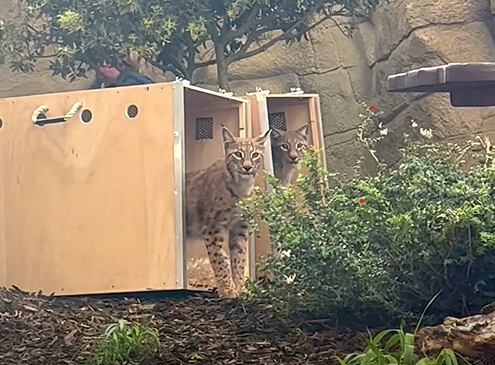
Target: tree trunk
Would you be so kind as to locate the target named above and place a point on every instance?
(222, 68)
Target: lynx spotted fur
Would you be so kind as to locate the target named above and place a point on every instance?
(287, 150)
(212, 195)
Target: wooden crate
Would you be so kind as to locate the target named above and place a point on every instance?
(291, 111)
(97, 207)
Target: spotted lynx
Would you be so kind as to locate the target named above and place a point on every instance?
(211, 198)
(287, 150)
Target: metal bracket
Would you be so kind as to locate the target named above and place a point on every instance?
(258, 91)
(224, 92)
(184, 81)
(296, 91)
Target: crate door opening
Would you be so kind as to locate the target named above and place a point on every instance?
(205, 112)
(286, 113)
(296, 126)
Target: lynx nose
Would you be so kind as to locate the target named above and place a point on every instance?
(247, 168)
(293, 157)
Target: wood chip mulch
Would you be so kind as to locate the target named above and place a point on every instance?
(36, 330)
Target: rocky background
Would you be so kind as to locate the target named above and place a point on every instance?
(402, 35)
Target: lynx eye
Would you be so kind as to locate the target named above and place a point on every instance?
(300, 146)
(284, 146)
(255, 155)
(238, 155)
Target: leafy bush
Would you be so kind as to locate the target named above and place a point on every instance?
(425, 226)
(124, 342)
(398, 350)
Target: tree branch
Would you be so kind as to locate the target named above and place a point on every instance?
(244, 53)
(177, 64)
(225, 25)
(43, 56)
(253, 36)
(195, 66)
(211, 27)
(191, 54)
(205, 63)
(163, 67)
(245, 27)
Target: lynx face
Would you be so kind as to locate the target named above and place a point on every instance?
(243, 155)
(291, 144)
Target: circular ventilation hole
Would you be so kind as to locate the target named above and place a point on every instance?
(86, 116)
(132, 111)
(1, 123)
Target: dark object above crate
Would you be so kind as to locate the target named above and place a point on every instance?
(469, 84)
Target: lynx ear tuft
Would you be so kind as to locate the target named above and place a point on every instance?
(277, 132)
(227, 136)
(261, 139)
(304, 130)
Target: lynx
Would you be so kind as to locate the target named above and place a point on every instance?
(287, 150)
(211, 198)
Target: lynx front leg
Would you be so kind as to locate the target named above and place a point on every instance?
(217, 246)
(238, 244)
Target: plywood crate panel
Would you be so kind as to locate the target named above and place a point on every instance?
(86, 207)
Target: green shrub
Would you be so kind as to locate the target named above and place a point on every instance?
(398, 350)
(126, 343)
(426, 226)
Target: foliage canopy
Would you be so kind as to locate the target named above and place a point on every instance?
(169, 35)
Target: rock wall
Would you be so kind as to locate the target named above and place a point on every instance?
(401, 35)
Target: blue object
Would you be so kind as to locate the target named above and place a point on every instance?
(124, 79)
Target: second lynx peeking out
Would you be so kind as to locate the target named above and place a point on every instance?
(287, 150)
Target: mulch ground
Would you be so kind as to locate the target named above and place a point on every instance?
(197, 330)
